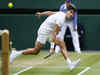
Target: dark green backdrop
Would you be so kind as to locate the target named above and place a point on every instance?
(92, 31)
(23, 29)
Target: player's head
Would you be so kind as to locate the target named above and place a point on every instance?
(70, 12)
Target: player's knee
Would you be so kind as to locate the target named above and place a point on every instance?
(37, 51)
(60, 43)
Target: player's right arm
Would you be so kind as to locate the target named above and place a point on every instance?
(56, 29)
(46, 13)
(55, 32)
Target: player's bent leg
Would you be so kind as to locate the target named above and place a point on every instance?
(29, 51)
(33, 51)
(72, 65)
(62, 45)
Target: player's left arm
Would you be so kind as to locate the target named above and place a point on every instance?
(45, 13)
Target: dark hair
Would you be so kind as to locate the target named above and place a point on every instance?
(71, 8)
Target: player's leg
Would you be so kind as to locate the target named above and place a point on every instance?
(41, 39)
(33, 51)
(62, 45)
(75, 38)
(29, 51)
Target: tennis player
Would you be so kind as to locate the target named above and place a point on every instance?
(47, 32)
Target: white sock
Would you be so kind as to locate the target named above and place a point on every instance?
(68, 61)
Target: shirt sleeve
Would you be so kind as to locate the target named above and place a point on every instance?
(59, 20)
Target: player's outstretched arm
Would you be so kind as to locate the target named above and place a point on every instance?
(45, 13)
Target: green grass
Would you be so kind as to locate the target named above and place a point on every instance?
(55, 65)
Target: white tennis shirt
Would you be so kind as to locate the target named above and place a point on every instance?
(49, 24)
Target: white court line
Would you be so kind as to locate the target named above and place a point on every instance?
(83, 71)
(23, 70)
(28, 68)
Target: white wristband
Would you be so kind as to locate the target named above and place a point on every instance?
(52, 45)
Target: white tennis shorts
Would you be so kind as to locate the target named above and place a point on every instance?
(43, 38)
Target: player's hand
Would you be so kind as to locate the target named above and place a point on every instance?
(38, 14)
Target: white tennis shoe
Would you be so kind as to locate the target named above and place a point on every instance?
(74, 65)
(13, 55)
